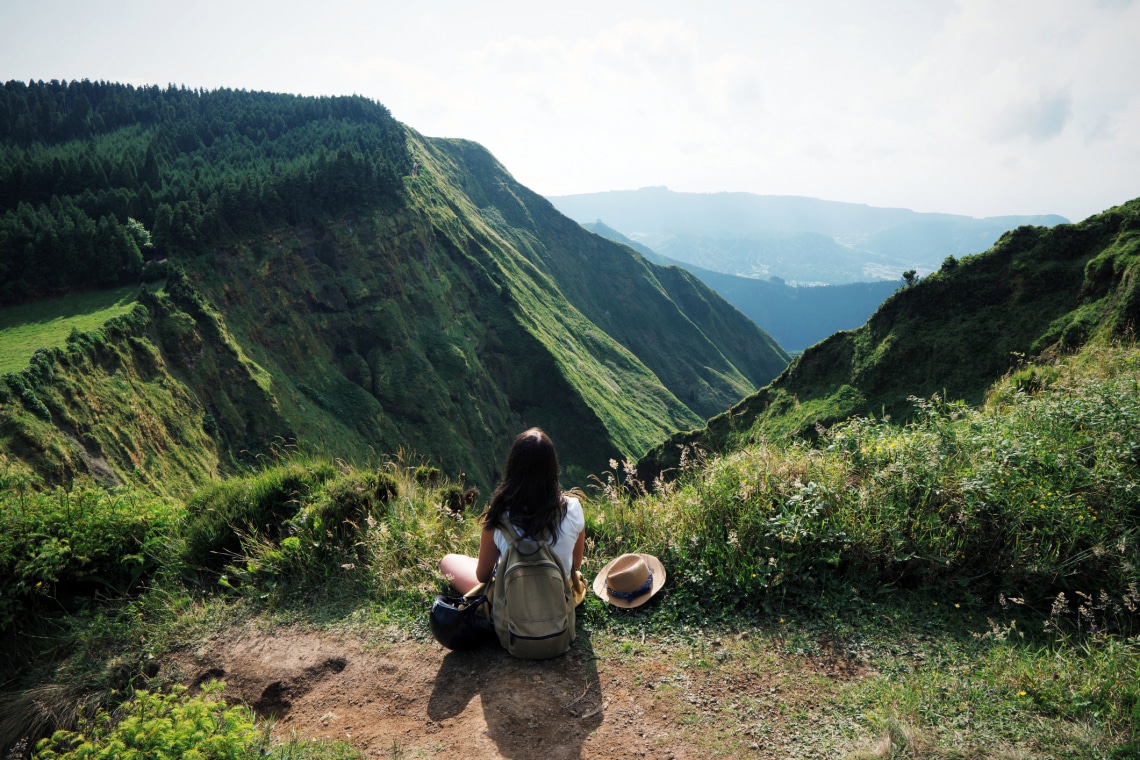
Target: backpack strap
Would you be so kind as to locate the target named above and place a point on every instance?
(511, 535)
(507, 528)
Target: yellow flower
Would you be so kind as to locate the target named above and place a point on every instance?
(1021, 693)
(957, 606)
(936, 604)
(781, 620)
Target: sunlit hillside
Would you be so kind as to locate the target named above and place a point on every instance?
(338, 281)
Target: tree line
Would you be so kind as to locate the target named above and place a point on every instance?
(97, 178)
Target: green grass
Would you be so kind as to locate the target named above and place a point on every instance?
(977, 563)
(47, 324)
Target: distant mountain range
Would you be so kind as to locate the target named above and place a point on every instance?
(803, 241)
(796, 316)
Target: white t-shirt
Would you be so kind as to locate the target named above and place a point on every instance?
(573, 524)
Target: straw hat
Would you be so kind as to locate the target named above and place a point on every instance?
(630, 580)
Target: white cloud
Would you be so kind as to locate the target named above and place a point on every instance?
(969, 106)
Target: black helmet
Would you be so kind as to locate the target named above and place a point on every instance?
(456, 621)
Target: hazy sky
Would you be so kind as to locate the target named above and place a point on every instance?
(982, 107)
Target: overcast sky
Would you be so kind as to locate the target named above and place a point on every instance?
(982, 107)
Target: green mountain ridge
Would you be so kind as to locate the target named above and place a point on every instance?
(330, 288)
(952, 334)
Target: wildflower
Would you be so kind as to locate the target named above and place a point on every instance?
(957, 606)
(1021, 693)
(781, 620)
(936, 604)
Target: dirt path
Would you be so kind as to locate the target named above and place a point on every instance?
(415, 700)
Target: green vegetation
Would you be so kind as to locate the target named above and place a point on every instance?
(291, 430)
(48, 324)
(174, 726)
(952, 334)
(92, 173)
(319, 293)
(160, 395)
(62, 547)
(1031, 495)
(998, 541)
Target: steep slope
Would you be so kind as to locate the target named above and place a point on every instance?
(702, 349)
(952, 334)
(380, 292)
(161, 396)
(796, 316)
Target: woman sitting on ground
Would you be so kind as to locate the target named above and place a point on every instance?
(530, 496)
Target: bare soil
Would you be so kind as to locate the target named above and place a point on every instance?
(415, 699)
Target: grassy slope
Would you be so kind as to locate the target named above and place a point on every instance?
(621, 390)
(431, 325)
(46, 324)
(159, 396)
(442, 328)
(702, 349)
(952, 334)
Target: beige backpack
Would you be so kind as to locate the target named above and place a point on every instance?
(532, 604)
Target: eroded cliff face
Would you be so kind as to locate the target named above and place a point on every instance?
(161, 396)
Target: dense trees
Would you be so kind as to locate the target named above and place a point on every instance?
(89, 171)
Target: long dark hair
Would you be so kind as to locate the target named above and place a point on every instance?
(529, 490)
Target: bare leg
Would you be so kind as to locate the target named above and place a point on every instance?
(459, 571)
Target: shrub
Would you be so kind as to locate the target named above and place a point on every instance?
(258, 505)
(451, 497)
(387, 486)
(426, 475)
(66, 545)
(173, 725)
(346, 499)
